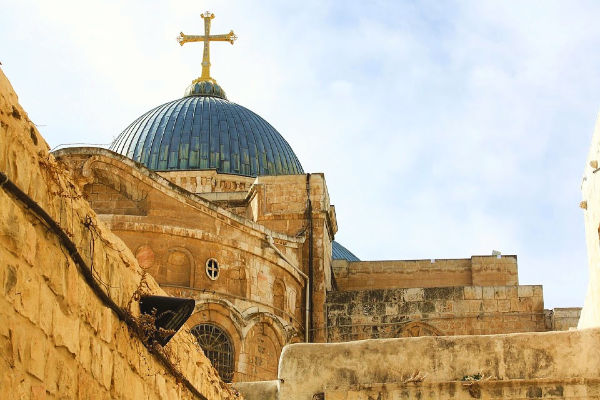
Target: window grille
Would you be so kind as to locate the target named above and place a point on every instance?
(212, 268)
(217, 346)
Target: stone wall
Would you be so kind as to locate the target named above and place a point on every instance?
(563, 319)
(474, 271)
(551, 365)
(280, 203)
(466, 310)
(59, 336)
(590, 191)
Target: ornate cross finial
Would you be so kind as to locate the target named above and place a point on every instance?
(206, 38)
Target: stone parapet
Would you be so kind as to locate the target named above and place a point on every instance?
(476, 271)
(554, 365)
(563, 319)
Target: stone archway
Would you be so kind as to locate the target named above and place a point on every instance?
(179, 264)
(416, 329)
(261, 351)
(148, 261)
(227, 318)
(217, 347)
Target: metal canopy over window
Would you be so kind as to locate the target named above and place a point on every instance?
(217, 346)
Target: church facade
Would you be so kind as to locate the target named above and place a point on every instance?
(215, 205)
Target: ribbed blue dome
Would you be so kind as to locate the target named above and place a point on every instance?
(339, 252)
(203, 133)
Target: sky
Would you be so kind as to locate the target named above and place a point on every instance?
(445, 129)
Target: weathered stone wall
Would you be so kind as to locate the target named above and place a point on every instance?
(263, 390)
(58, 339)
(104, 200)
(590, 191)
(551, 365)
(474, 271)
(281, 203)
(467, 310)
(563, 319)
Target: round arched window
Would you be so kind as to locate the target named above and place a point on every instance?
(217, 346)
(212, 268)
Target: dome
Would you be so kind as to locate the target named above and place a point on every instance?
(339, 252)
(205, 131)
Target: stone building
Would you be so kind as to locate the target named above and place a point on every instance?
(215, 205)
(201, 198)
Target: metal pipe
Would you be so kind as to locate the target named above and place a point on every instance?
(272, 244)
(310, 281)
(306, 287)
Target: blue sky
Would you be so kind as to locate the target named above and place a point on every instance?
(444, 129)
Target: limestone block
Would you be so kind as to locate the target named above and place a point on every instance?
(511, 292)
(67, 380)
(106, 326)
(161, 387)
(53, 267)
(446, 307)
(413, 294)
(488, 292)
(475, 306)
(65, 330)
(119, 379)
(473, 292)
(504, 305)
(515, 305)
(88, 388)
(462, 307)
(106, 362)
(490, 305)
(52, 370)
(526, 304)
(27, 288)
(500, 292)
(6, 318)
(174, 392)
(525, 291)
(85, 352)
(36, 364)
(46, 307)
(38, 392)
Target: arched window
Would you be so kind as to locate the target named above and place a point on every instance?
(415, 329)
(217, 346)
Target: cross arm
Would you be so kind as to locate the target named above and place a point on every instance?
(183, 38)
(229, 37)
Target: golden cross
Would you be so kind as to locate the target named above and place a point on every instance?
(206, 38)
